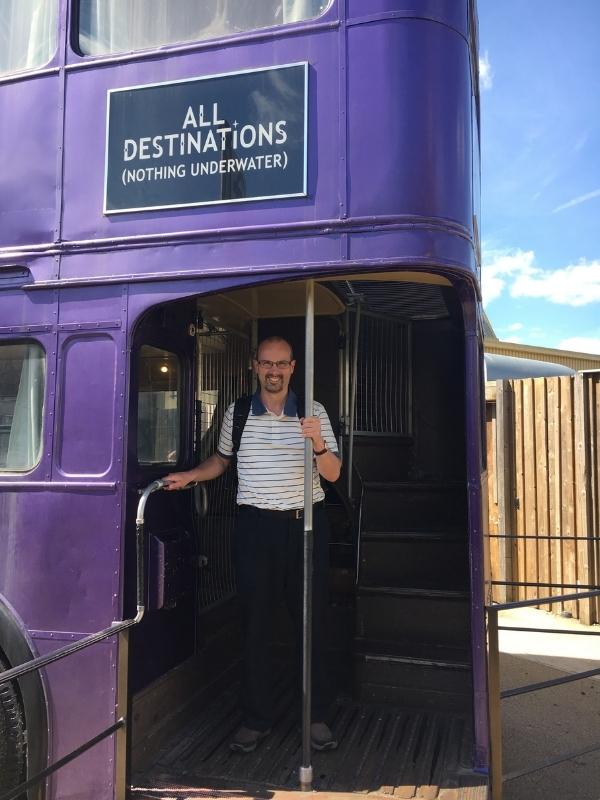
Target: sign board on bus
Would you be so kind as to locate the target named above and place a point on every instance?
(226, 138)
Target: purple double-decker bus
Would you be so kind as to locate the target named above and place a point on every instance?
(181, 179)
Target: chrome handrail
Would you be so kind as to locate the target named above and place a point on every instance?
(115, 627)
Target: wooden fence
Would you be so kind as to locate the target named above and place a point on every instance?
(543, 454)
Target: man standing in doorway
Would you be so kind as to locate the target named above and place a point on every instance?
(268, 541)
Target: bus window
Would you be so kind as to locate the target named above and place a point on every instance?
(114, 26)
(28, 32)
(159, 415)
(22, 379)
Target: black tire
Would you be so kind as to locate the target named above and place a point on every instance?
(13, 750)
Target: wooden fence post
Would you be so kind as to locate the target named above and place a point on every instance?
(583, 495)
(506, 491)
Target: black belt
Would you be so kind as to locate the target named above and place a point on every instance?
(290, 513)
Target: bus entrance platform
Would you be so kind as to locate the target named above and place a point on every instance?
(383, 751)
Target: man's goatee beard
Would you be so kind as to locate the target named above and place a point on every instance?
(274, 387)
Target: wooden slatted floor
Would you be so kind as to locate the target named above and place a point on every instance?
(382, 750)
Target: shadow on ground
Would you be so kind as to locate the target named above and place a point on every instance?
(544, 725)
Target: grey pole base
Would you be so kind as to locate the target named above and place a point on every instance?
(306, 779)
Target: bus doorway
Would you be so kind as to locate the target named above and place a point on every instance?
(390, 370)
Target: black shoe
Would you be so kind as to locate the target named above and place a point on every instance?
(245, 740)
(321, 737)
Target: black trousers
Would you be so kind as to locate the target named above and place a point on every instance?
(268, 554)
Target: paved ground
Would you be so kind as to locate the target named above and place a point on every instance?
(548, 723)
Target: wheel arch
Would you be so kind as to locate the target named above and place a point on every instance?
(16, 647)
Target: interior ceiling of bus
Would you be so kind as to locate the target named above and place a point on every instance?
(404, 295)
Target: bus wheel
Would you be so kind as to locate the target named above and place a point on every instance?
(12, 736)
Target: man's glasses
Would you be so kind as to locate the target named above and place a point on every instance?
(266, 364)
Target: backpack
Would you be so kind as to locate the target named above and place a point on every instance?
(241, 410)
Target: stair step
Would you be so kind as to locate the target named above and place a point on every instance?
(440, 617)
(412, 682)
(381, 457)
(447, 656)
(439, 534)
(436, 487)
(413, 506)
(423, 560)
(413, 591)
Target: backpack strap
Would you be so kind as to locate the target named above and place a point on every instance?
(241, 410)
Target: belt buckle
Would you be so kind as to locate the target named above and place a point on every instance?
(298, 513)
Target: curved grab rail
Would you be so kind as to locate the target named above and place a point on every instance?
(116, 627)
(200, 498)
(145, 494)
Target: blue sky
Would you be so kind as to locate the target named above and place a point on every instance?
(540, 106)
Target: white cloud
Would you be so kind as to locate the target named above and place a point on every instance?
(574, 285)
(583, 198)
(486, 73)
(581, 344)
(513, 339)
(516, 326)
(499, 266)
(516, 271)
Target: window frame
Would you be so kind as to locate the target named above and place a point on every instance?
(25, 340)
(190, 44)
(181, 417)
(52, 61)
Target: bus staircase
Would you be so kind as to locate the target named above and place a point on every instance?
(496, 695)
(412, 630)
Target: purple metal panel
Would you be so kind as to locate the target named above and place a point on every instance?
(91, 307)
(409, 121)
(453, 14)
(41, 267)
(287, 256)
(85, 138)
(203, 258)
(81, 704)
(71, 558)
(86, 406)
(22, 309)
(29, 141)
(411, 244)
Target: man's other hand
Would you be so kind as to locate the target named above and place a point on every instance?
(311, 429)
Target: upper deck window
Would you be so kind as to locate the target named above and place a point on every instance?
(116, 26)
(22, 378)
(28, 33)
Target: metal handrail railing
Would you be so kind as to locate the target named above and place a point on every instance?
(117, 627)
(496, 695)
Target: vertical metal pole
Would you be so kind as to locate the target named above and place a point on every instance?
(121, 713)
(346, 371)
(306, 771)
(341, 365)
(253, 346)
(353, 398)
(494, 703)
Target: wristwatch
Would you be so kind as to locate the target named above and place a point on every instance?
(320, 452)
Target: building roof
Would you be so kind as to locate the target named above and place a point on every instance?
(568, 358)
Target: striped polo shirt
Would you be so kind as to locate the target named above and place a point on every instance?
(270, 460)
